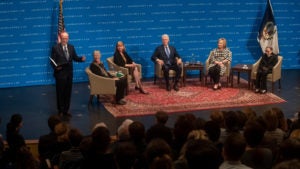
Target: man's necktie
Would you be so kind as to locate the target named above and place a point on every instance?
(66, 52)
(167, 51)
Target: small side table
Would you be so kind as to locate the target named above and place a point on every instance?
(196, 66)
(241, 68)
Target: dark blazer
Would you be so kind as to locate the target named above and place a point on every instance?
(160, 53)
(118, 59)
(59, 57)
(267, 63)
(99, 70)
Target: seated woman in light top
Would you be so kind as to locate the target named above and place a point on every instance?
(121, 58)
(217, 63)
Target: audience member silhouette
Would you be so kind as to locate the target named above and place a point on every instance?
(99, 154)
(72, 158)
(137, 137)
(184, 124)
(291, 164)
(160, 130)
(14, 139)
(231, 123)
(159, 154)
(47, 142)
(63, 142)
(233, 150)
(202, 154)
(255, 155)
(125, 155)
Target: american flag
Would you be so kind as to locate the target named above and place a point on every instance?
(268, 34)
(61, 24)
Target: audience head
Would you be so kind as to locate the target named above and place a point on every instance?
(249, 112)
(253, 133)
(125, 155)
(282, 122)
(165, 39)
(202, 154)
(218, 117)
(137, 131)
(15, 123)
(183, 125)
(199, 123)
(75, 137)
(161, 117)
(290, 149)
(212, 130)
(295, 134)
(231, 121)
(100, 139)
(197, 134)
(157, 149)
(100, 124)
(61, 130)
(290, 164)
(53, 120)
(123, 131)
(270, 118)
(234, 147)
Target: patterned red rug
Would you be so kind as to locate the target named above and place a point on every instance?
(192, 97)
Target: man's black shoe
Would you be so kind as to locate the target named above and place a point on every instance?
(168, 88)
(121, 102)
(176, 88)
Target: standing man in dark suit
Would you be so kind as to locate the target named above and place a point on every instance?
(62, 57)
(168, 57)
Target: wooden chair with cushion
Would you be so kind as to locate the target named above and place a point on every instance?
(113, 67)
(226, 74)
(272, 77)
(159, 74)
(100, 85)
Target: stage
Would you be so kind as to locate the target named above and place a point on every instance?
(36, 103)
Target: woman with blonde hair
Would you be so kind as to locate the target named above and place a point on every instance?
(220, 57)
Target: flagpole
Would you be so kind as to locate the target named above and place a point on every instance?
(61, 23)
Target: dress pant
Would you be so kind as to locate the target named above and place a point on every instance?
(121, 85)
(176, 68)
(261, 80)
(63, 93)
(214, 73)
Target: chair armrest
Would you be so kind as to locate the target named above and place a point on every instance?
(276, 71)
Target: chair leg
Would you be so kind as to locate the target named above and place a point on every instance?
(91, 98)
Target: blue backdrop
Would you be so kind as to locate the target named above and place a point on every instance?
(28, 30)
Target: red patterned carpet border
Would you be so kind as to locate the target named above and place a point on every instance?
(192, 97)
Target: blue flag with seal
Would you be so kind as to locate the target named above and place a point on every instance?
(268, 35)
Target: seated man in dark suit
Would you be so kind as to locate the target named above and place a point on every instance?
(168, 57)
(98, 68)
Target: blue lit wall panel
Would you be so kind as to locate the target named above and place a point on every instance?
(28, 31)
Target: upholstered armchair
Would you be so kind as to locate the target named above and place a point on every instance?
(113, 67)
(226, 74)
(159, 74)
(100, 85)
(272, 77)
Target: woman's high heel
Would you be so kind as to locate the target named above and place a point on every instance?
(143, 91)
(137, 88)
